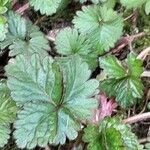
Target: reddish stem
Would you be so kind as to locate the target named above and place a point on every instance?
(137, 118)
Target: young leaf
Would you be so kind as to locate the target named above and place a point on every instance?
(70, 42)
(55, 99)
(124, 84)
(48, 7)
(102, 25)
(111, 134)
(106, 108)
(23, 37)
(7, 113)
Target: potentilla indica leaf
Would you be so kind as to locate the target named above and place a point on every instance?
(8, 111)
(112, 66)
(123, 82)
(69, 42)
(102, 25)
(3, 28)
(55, 98)
(3, 20)
(23, 37)
(147, 7)
(137, 4)
(110, 134)
(132, 3)
(48, 7)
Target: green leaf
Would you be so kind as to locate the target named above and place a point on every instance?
(123, 82)
(3, 28)
(112, 67)
(55, 98)
(23, 37)
(132, 3)
(3, 7)
(48, 7)
(69, 42)
(102, 25)
(3, 20)
(82, 1)
(108, 3)
(147, 7)
(110, 134)
(134, 64)
(7, 113)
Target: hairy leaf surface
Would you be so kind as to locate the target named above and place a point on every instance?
(132, 3)
(102, 25)
(55, 99)
(23, 37)
(69, 42)
(123, 83)
(48, 7)
(110, 134)
(3, 20)
(7, 113)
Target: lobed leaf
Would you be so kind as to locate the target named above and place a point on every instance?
(69, 42)
(55, 98)
(23, 37)
(110, 134)
(3, 20)
(48, 7)
(102, 25)
(132, 3)
(123, 83)
(7, 113)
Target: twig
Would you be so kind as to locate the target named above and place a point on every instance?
(51, 39)
(22, 9)
(130, 16)
(144, 54)
(123, 42)
(145, 74)
(39, 20)
(144, 140)
(137, 118)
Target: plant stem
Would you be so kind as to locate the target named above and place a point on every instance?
(145, 74)
(144, 54)
(22, 9)
(137, 118)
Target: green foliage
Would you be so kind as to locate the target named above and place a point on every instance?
(136, 4)
(109, 3)
(48, 7)
(7, 112)
(110, 134)
(3, 20)
(132, 3)
(123, 81)
(102, 25)
(23, 37)
(55, 99)
(69, 42)
(147, 7)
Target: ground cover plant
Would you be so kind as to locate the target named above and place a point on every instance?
(74, 74)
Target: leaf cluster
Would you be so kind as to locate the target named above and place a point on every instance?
(53, 97)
